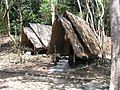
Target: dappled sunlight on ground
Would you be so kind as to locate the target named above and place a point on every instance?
(32, 73)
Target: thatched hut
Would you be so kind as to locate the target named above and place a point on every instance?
(36, 36)
(72, 35)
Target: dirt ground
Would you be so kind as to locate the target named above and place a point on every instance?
(32, 73)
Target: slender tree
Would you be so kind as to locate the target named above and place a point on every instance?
(101, 33)
(53, 10)
(6, 16)
(79, 4)
(91, 16)
(20, 17)
(115, 35)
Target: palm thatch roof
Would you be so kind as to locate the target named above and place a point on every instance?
(70, 31)
(37, 35)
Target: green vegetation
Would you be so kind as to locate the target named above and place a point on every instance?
(39, 11)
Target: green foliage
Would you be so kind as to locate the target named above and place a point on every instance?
(107, 18)
(30, 11)
(61, 8)
(39, 11)
(1, 19)
(45, 10)
(69, 5)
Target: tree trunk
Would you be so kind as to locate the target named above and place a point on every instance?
(53, 11)
(8, 20)
(79, 4)
(20, 18)
(115, 35)
(7, 16)
(91, 17)
(101, 27)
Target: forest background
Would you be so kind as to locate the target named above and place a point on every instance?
(95, 12)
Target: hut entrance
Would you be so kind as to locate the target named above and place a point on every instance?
(72, 36)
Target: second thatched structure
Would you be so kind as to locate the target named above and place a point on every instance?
(36, 36)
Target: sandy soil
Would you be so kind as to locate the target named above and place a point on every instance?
(32, 73)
